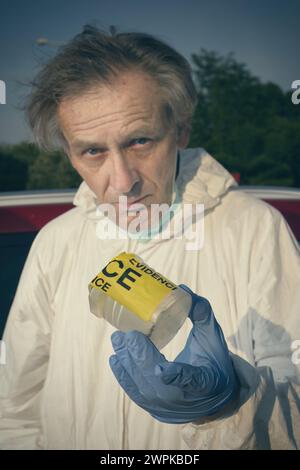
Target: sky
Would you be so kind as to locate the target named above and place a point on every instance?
(263, 34)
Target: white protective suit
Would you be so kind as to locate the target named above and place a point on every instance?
(57, 390)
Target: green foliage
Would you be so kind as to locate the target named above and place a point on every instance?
(26, 152)
(52, 170)
(250, 127)
(24, 166)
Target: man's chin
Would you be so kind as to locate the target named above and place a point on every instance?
(134, 220)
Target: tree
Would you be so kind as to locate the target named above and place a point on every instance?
(26, 152)
(238, 117)
(52, 170)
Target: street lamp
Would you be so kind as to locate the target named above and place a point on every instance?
(45, 42)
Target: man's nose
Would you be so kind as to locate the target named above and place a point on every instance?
(124, 176)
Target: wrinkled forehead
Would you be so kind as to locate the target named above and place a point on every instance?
(132, 96)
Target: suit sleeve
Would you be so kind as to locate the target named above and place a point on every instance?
(266, 414)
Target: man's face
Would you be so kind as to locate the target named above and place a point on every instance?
(119, 142)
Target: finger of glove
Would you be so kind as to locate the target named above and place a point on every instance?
(205, 346)
(180, 411)
(151, 405)
(206, 338)
(200, 310)
(128, 384)
(139, 356)
(189, 378)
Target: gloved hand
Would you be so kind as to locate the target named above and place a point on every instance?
(197, 384)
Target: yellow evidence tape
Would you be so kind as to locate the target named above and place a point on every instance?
(132, 283)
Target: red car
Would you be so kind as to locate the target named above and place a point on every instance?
(23, 214)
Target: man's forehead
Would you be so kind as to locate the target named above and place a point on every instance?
(124, 125)
(78, 143)
(137, 87)
(128, 119)
(99, 105)
(104, 108)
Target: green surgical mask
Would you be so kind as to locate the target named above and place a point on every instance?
(145, 235)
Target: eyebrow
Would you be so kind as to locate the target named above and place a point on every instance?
(79, 144)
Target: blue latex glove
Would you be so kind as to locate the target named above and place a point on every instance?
(197, 384)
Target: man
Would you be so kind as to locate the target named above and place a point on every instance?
(121, 107)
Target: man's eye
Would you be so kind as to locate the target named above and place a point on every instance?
(140, 141)
(92, 151)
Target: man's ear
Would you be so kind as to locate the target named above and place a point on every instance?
(183, 137)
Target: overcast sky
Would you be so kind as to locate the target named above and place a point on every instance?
(263, 34)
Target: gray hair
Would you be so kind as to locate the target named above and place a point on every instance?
(94, 57)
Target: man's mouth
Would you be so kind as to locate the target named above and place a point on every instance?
(137, 205)
(134, 205)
